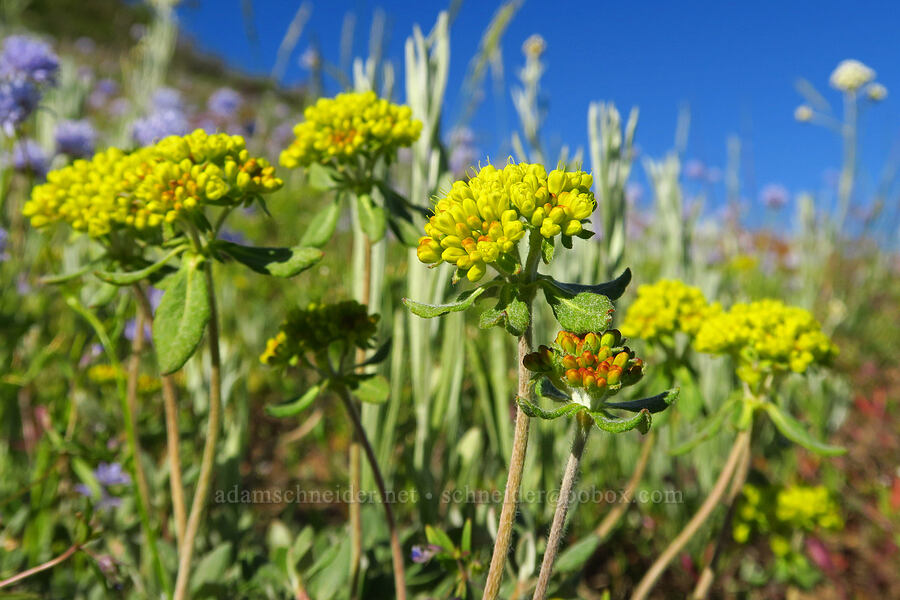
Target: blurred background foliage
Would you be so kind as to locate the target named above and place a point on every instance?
(446, 427)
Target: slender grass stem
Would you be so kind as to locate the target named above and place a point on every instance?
(520, 437)
(396, 549)
(613, 517)
(737, 484)
(582, 431)
(186, 549)
(137, 468)
(170, 404)
(41, 567)
(646, 584)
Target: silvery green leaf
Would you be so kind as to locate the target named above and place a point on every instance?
(182, 316)
(611, 289)
(428, 311)
(794, 430)
(581, 313)
(654, 404)
(280, 262)
(533, 410)
(544, 388)
(129, 277)
(640, 421)
(321, 227)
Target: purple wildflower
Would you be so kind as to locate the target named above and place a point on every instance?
(111, 474)
(774, 196)
(18, 99)
(131, 329)
(422, 554)
(27, 58)
(4, 237)
(29, 157)
(166, 98)
(76, 138)
(157, 125)
(225, 102)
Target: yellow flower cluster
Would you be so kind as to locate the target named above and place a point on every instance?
(663, 308)
(766, 336)
(107, 374)
(341, 128)
(781, 512)
(143, 189)
(481, 220)
(318, 326)
(808, 507)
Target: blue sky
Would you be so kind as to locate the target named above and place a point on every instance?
(734, 64)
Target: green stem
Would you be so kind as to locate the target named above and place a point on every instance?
(582, 431)
(741, 443)
(396, 549)
(137, 469)
(520, 435)
(186, 550)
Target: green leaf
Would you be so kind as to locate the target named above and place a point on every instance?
(182, 316)
(373, 390)
(533, 410)
(380, 354)
(611, 289)
(712, 427)
(64, 277)
(280, 262)
(640, 421)
(87, 477)
(428, 311)
(654, 404)
(466, 542)
(544, 388)
(438, 537)
(794, 430)
(581, 313)
(574, 557)
(211, 568)
(547, 249)
(321, 227)
(511, 311)
(372, 218)
(406, 232)
(320, 177)
(129, 277)
(296, 406)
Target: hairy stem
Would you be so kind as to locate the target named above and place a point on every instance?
(613, 517)
(172, 437)
(646, 584)
(186, 549)
(737, 484)
(520, 437)
(582, 430)
(396, 549)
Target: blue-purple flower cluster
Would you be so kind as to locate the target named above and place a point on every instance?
(26, 64)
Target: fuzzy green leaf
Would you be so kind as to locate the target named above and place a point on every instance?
(379, 355)
(544, 388)
(373, 390)
(372, 218)
(640, 421)
(279, 262)
(654, 404)
(511, 312)
(438, 537)
(182, 316)
(611, 289)
(794, 430)
(129, 277)
(574, 557)
(428, 311)
(533, 410)
(296, 406)
(547, 249)
(321, 227)
(582, 312)
(320, 177)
